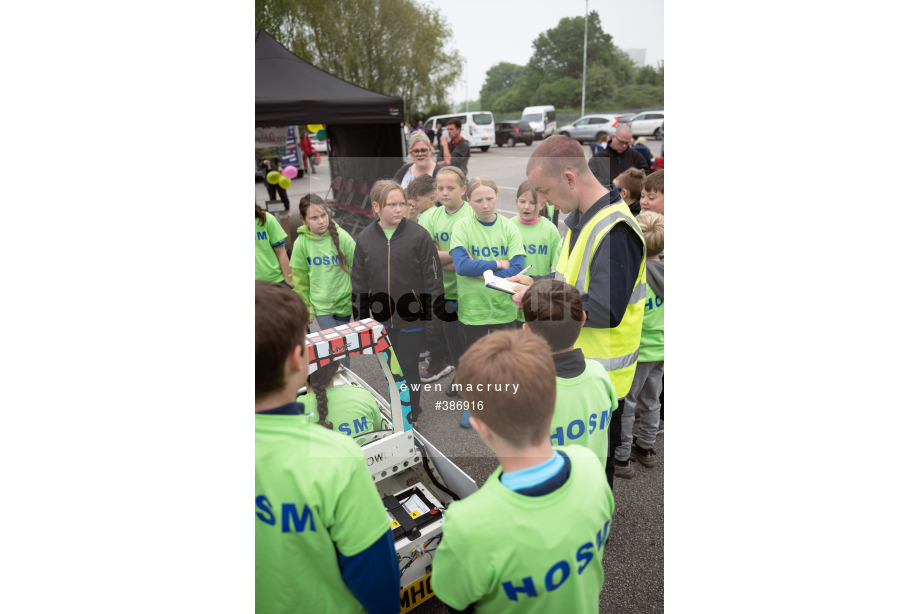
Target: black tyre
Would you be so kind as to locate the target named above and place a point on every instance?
(657, 134)
(484, 149)
(564, 133)
(529, 143)
(510, 142)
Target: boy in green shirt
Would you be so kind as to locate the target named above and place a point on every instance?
(532, 538)
(323, 540)
(585, 398)
(644, 398)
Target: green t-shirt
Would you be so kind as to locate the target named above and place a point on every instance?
(440, 224)
(500, 241)
(352, 410)
(329, 286)
(584, 405)
(506, 552)
(388, 232)
(651, 346)
(269, 236)
(542, 246)
(314, 500)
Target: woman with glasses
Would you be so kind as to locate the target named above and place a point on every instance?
(422, 161)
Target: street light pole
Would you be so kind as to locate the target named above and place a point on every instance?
(584, 66)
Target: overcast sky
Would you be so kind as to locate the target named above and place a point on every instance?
(487, 32)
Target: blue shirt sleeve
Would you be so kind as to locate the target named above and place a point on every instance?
(372, 576)
(466, 266)
(517, 265)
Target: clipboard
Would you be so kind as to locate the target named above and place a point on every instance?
(498, 283)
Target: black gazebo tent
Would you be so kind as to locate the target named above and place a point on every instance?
(364, 127)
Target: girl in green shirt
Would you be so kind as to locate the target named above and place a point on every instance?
(271, 258)
(542, 243)
(491, 242)
(349, 410)
(321, 260)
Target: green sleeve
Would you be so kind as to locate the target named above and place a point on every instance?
(360, 518)
(458, 235)
(275, 231)
(298, 259)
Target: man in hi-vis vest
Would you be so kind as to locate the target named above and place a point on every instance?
(603, 256)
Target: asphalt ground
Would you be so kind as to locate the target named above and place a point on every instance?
(634, 555)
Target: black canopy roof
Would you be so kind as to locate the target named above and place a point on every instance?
(290, 90)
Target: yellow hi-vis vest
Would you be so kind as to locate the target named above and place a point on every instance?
(616, 348)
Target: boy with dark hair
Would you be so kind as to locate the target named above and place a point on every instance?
(585, 398)
(323, 540)
(551, 566)
(421, 196)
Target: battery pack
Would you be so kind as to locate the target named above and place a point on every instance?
(415, 509)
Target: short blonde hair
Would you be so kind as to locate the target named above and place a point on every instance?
(640, 140)
(419, 137)
(652, 225)
(519, 416)
(558, 154)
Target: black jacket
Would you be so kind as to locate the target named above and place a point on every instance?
(406, 268)
(607, 164)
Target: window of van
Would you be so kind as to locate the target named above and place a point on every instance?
(550, 116)
(483, 119)
(532, 117)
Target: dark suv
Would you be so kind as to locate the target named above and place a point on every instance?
(509, 133)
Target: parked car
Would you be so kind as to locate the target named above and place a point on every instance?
(626, 118)
(510, 133)
(647, 124)
(591, 127)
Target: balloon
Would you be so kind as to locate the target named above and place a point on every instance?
(321, 135)
(285, 183)
(273, 177)
(290, 172)
(314, 127)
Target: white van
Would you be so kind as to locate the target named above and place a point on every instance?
(542, 119)
(477, 127)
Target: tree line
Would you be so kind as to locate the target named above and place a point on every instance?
(553, 75)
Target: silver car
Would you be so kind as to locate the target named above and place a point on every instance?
(591, 127)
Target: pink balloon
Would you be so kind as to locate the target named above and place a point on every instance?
(290, 172)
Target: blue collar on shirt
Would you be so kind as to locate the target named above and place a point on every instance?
(541, 479)
(487, 223)
(288, 409)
